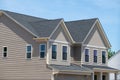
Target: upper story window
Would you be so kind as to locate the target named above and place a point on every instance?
(64, 52)
(86, 55)
(103, 57)
(42, 49)
(5, 52)
(29, 51)
(95, 56)
(54, 51)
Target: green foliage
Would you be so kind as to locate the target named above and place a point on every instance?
(110, 53)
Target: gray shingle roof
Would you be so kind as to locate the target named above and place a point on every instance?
(24, 20)
(45, 28)
(100, 67)
(80, 28)
(38, 26)
(72, 67)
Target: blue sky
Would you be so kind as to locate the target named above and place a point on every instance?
(108, 11)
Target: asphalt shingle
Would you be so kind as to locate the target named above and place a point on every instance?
(80, 28)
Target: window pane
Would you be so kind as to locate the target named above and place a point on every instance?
(103, 57)
(29, 52)
(5, 55)
(95, 56)
(42, 50)
(86, 55)
(28, 48)
(42, 47)
(54, 51)
(64, 52)
(42, 54)
(28, 55)
(5, 48)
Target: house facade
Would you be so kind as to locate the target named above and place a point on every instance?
(40, 49)
(114, 62)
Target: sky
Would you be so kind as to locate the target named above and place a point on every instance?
(108, 12)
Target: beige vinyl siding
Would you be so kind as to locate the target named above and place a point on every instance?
(95, 38)
(16, 66)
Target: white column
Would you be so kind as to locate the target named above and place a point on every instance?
(92, 76)
(108, 76)
(100, 76)
(115, 74)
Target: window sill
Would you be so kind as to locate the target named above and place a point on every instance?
(64, 60)
(53, 59)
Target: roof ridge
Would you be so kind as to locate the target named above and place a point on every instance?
(22, 14)
(82, 20)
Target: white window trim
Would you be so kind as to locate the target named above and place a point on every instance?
(88, 53)
(31, 51)
(97, 56)
(62, 52)
(56, 50)
(40, 50)
(3, 51)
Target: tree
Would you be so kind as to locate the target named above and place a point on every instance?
(110, 53)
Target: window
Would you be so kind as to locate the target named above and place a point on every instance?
(54, 51)
(5, 52)
(95, 56)
(29, 52)
(42, 49)
(64, 52)
(86, 55)
(103, 57)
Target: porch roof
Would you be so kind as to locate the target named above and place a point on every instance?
(102, 68)
(70, 68)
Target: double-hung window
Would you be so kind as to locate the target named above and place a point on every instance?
(64, 52)
(5, 52)
(42, 50)
(86, 55)
(103, 57)
(29, 51)
(54, 51)
(95, 56)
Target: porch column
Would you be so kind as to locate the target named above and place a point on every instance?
(92, 76)
(100, 78)
(115, 74)
(108, 76)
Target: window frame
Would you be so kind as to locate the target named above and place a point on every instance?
(42, 51)
(3, 51)
(88, 54)
(95, 56)
(66, 53)
(102, 56)
(31, 51)
(56, 50)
